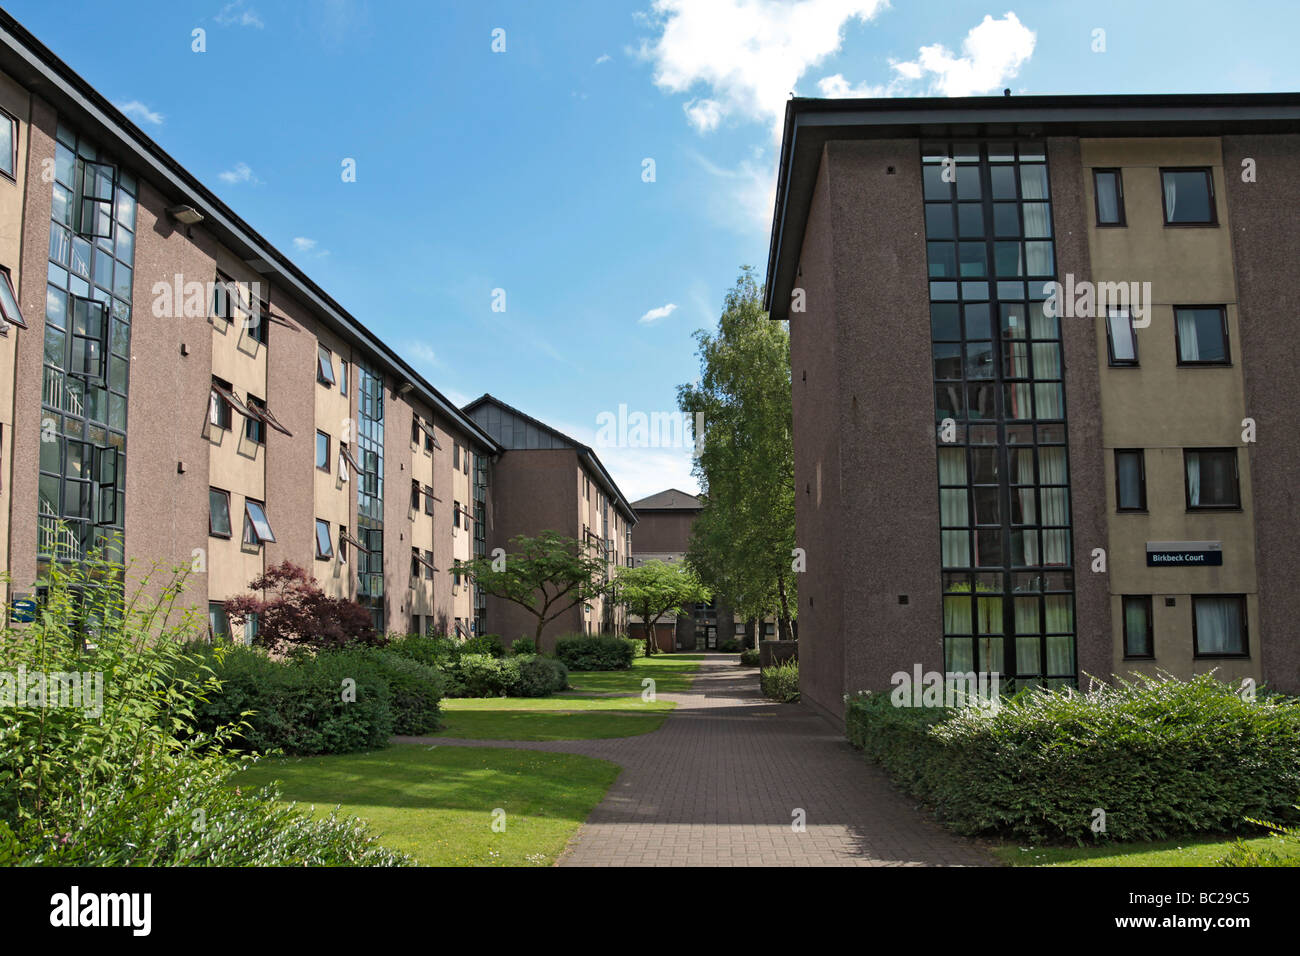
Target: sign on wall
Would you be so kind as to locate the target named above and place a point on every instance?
(1184, 554)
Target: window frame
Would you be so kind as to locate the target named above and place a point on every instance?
(252, 521)
(322, 524)
(325, 366)
(229, 526)
(1187, 487)
(1245, 628)
(326, 466)
(1142, 474)
(1111, 361)
(254, 423)
(1225, 362)
(12, 176)
(1150, 635)
(1208, 172)
(6, 319)
(225, 414)
(1122, 221)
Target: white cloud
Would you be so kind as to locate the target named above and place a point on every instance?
(303, 244)
(993, 53)
(748, 193)
(421, 353)
(242, 173)
(603, 58)
(654, 315)
(239, 14)
(140, 113)
(749, 53)
(639, 471)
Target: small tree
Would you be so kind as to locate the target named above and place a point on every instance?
(546, 576)
(655, 589)
(297, 613)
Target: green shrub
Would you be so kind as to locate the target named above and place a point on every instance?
(750, 657)
(595, 652)
(781, 682)
(480, 675)
(415, 689)
(132, 782)
(488, 644)
(334, 702)
(1287, 838)
(434, 651)
(539, 676)
(523, 645)
(1162, 757)
(729, 646)
(638, 646)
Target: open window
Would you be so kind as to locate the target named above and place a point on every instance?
(221, 401)
(430, 437)
(105, 471)
(94, 211)
(324, 366)
(218, 513)
(424, 561)
(346, 535)
(324, 546)
(257, 530)
(256, 409)
(10, 314)
(346, 458)
(89, 340)
(429, 499)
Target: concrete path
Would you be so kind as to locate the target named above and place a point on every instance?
(720, 782)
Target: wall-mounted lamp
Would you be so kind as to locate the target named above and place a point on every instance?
(185, 215)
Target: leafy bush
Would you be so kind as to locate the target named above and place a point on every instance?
(437, 652)
(488, 644)
(416, 690)
(539, 676)
(595, 652)
(523, 645)
(129, 780)
(729, 646)
(781, 682)
(296, 613)
(638, 647)
(304, 706)
(1243, 854)
(1162, 757)
(480, 675)
(750, 657)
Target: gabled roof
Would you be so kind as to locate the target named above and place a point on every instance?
(811, 122)
(33, 65)
(514, 430)
(671, 499)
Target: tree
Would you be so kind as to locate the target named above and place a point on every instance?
(655, 589)
(546, 575)
(742, 543)
(297, 613)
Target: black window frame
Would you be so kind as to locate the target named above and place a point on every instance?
(12, 173)
(325, 467)
(1150, 654)
(225, 495)
(1245, 628)
(1226, 361)
(225, 415)
(6, 319)
(325, 366)
(1142, 475)
(1187, 487)
(1122, 221)
(1208, 172)
(415, 495)
(323, 524)
(250, 524)
(1111, 361)
(254, 425)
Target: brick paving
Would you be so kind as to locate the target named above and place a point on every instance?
(718, 785)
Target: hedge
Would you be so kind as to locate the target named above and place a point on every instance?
(781, 682)
(1161, 757)
(595, 652)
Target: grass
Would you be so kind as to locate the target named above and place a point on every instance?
(671, 673)
(576, 714)
(437, 803)
(1193, 851)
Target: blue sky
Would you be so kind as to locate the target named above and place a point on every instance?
(522, 170)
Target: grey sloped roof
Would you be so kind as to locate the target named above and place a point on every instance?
(671, 499)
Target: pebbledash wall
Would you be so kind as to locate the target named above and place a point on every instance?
(911, 244)
(183, 388)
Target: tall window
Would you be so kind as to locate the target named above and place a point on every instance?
(218, 513)
(1219, 625)
(1201, 333)
(8, 145)
(1130, 479)
(1188, 197)
(1121, 339)
(1004, 496)
(1211, 478)
(218, 622)
(324, 366)
(324, 545)
(369, 450)
(1138, 640)
(1109, 189)
(10, 313)
(254, 423)
(323, 452)
(87, 349)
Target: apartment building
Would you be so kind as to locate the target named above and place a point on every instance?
(175, 390)
(664, 523)
(1039, 349)
(543, 480)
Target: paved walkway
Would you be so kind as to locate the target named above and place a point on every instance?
(719, 784)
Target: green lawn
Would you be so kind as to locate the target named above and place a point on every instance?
(671, 673)
(436, 803)
(1189, 852)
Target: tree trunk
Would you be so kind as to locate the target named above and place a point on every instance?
(751, 632)
(651, 641)
(783, 609)
(537, 638)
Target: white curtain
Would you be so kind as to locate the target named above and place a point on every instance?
(1189, 349)
(1107, 197)
(1194, 478)
(1171, 194)
(1218, 625)
(953, 507)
